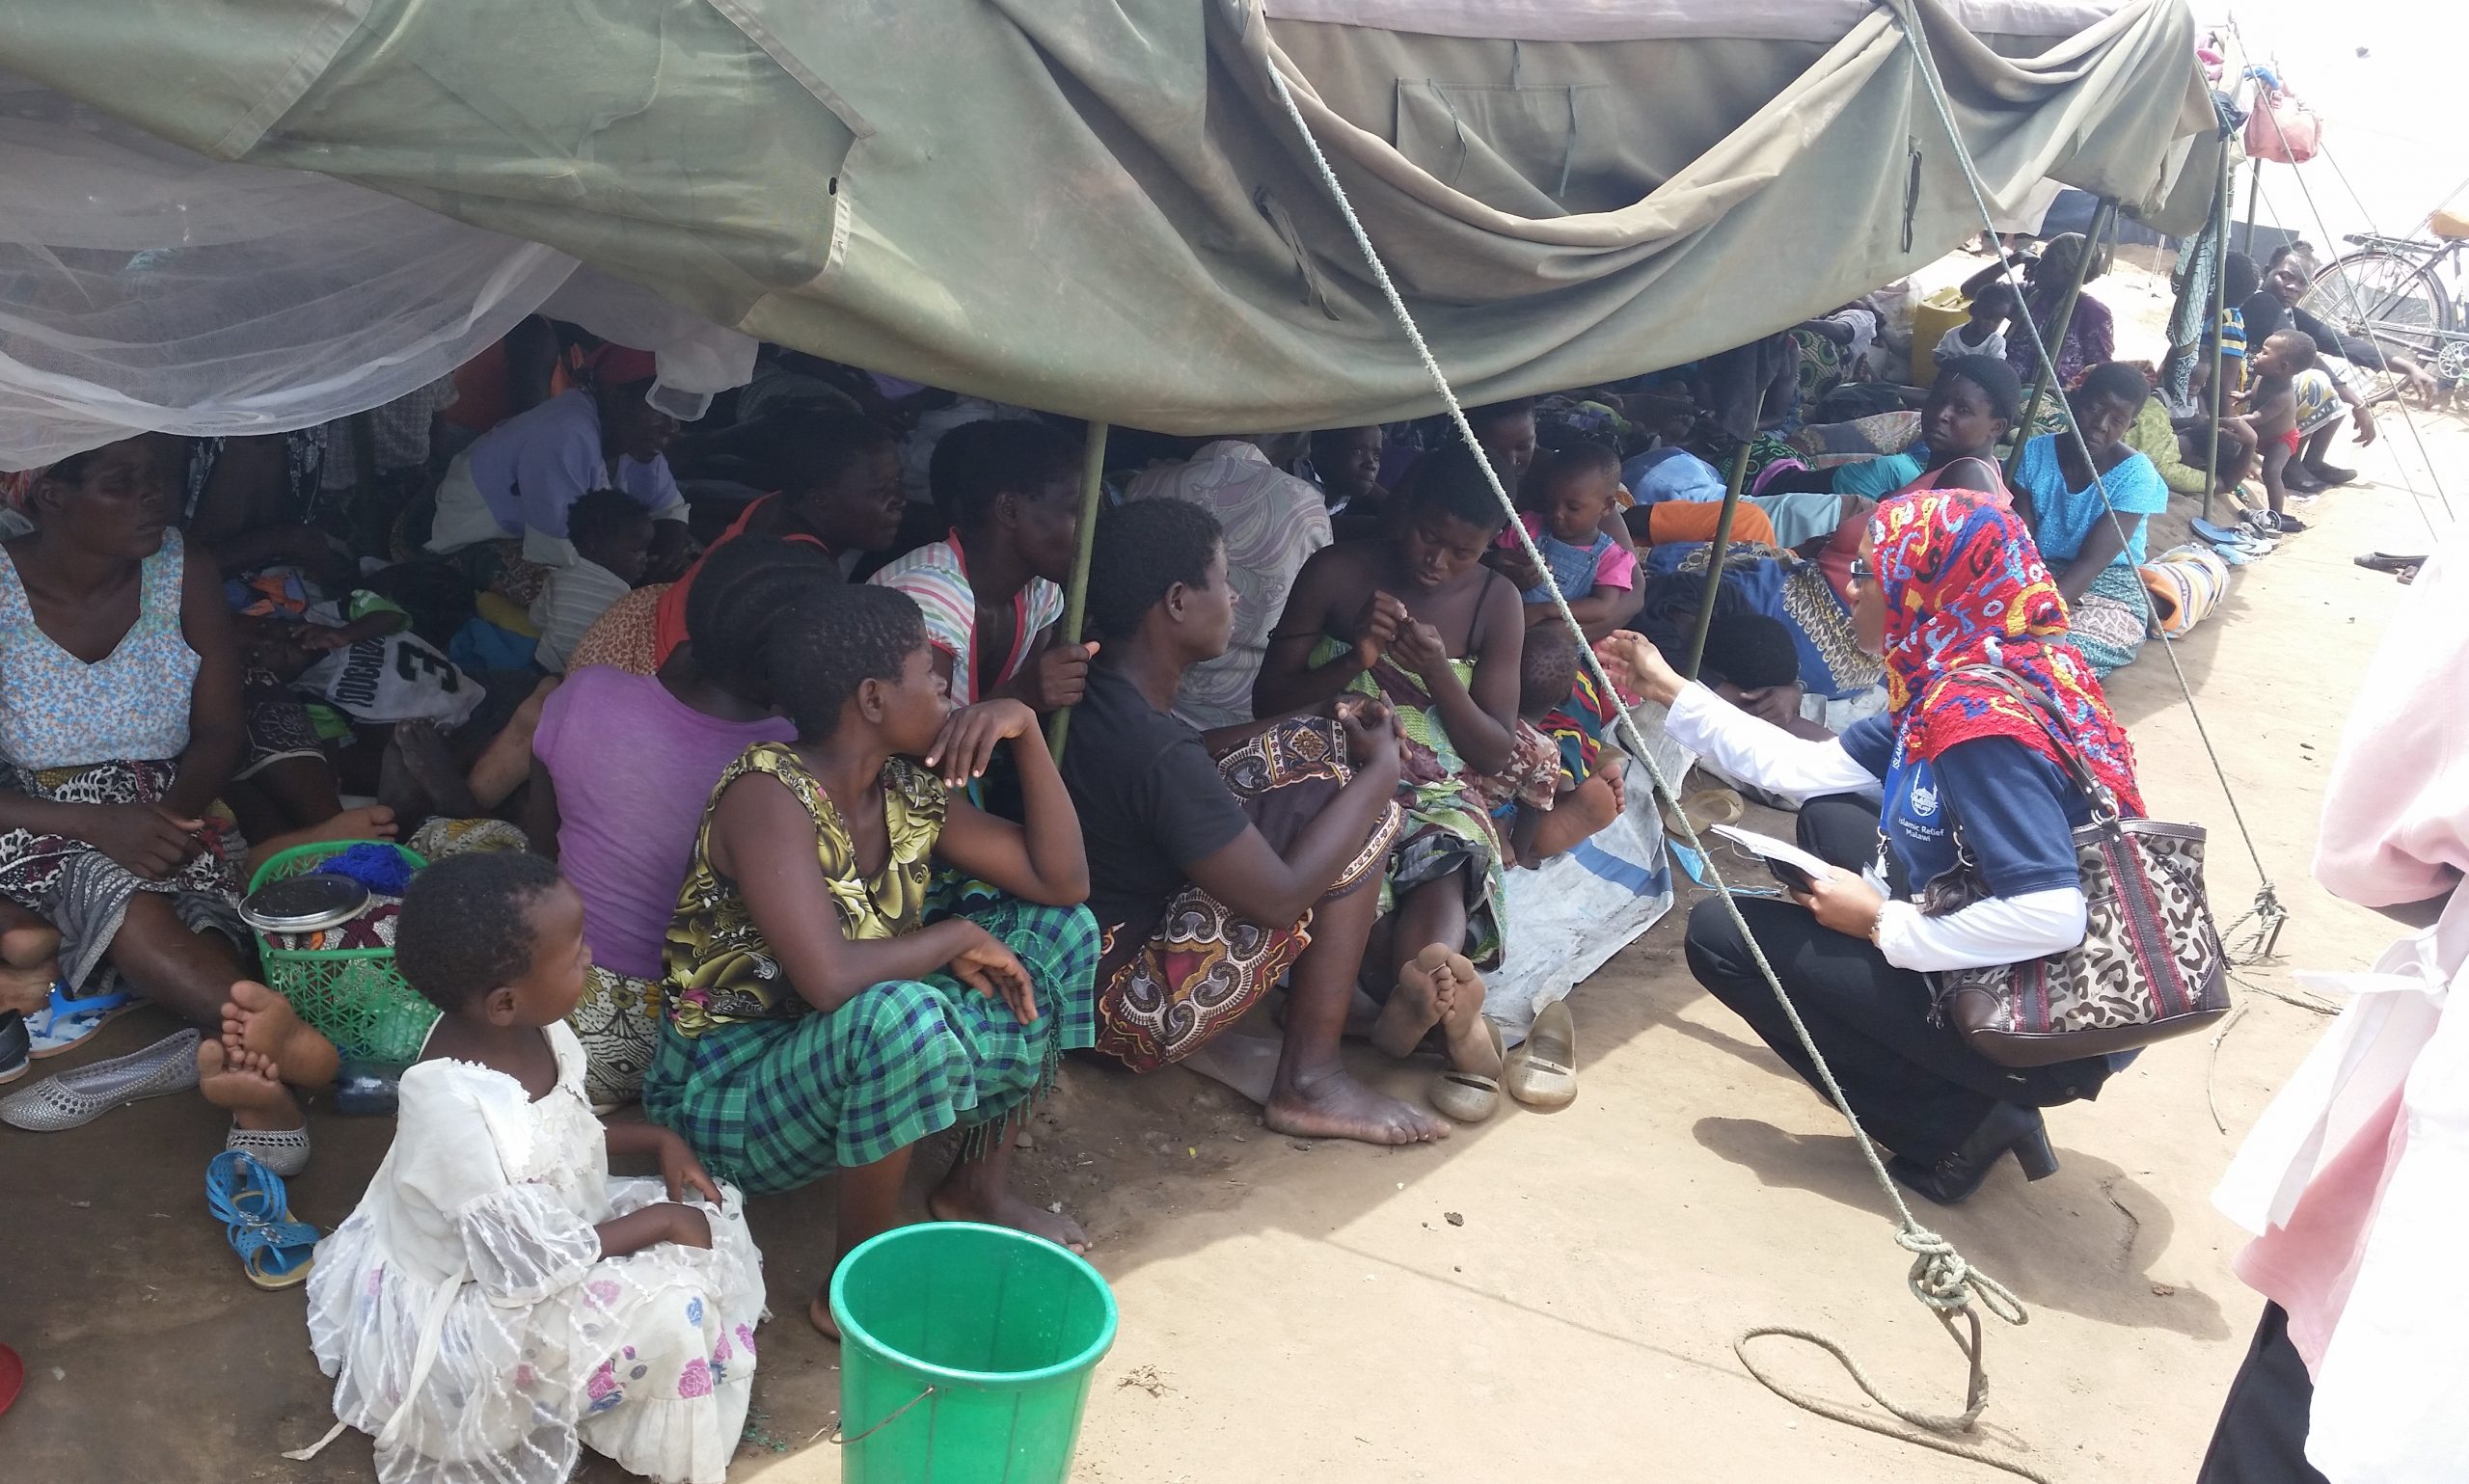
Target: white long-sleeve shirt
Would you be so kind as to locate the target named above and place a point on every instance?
(1994, 931)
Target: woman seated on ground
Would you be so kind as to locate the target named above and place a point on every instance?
(839, 490)
(2068, 507)
(2091, 331)
(1948, 583)
(992, 588)
(1971, 406)
(119, 722)
(1215, 876)
(819, 1022)
(2180, 439)
(621, 768)
(1417, 620)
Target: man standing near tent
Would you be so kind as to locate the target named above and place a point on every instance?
(501, 508)
(1273, 523)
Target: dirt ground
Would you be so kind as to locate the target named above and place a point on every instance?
(1550, 1293)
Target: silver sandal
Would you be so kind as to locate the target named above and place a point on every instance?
(282, 1150)
(88, 1093)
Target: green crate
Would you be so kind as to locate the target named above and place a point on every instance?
(355, 996)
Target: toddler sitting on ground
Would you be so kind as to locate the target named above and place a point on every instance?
(498, 1300)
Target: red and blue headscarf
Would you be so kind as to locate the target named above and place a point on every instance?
(1963, 585)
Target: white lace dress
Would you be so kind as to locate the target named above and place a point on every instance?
(473, 1326)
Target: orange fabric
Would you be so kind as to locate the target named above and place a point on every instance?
(1692, 520)
(669, 625)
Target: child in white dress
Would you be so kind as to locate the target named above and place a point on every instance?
(498, 1299)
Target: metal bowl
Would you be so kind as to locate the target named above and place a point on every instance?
(304, 904)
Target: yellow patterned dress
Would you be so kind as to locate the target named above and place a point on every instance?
(773, 1094)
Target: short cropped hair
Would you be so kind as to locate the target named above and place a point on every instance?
(466, 927)
(1139, 553)
(978, 462)
(834, 639)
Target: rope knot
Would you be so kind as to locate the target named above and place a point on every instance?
(1940, 1278)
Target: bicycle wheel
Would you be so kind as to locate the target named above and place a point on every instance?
(2383, 297)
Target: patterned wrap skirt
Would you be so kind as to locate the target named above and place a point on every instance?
(775, 1104)
(86, 894)
(1201, 967)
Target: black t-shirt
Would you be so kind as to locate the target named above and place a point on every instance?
(1150, 798)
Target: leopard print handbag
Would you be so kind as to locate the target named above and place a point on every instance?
(2151, 965)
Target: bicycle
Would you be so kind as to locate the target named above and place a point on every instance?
(2387, 292)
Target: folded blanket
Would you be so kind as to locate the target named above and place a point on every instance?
(2185, 583)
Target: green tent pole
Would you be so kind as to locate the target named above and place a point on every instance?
(2056, 334)
(1722, 544)
(2254, 196)
(1075, 596)
(2213, 331)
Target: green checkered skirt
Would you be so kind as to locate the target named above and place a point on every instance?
(777, 1104)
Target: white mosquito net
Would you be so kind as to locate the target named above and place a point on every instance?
(144, 286)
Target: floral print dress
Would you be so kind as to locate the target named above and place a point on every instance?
(473, 1326)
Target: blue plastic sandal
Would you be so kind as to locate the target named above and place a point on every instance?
(255, 1211)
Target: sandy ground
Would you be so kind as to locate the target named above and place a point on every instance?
(1554, 1293)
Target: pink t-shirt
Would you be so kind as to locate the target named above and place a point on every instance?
(634, 768)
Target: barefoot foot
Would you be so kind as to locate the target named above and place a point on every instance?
(1469, 1043)
(243, 1083)
(819, 1314)
(258, 1019)
(1415, 1007)
(1247, 1064)
(964, 1199)
(1336, 1106)
(430, 763)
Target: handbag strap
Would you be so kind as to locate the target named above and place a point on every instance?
(2045, 709)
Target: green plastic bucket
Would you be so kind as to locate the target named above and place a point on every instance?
(986, 1335)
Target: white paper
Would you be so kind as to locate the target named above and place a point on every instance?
(1768, 848)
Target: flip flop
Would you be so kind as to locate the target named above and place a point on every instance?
(2385, 561)
(13, 1376)
(1542, 1072)
(88, 1093)
(1465, 1097)
(1707, 807)
(275, 1250)
(68, 1021)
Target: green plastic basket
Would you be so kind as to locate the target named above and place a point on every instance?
(355, 996)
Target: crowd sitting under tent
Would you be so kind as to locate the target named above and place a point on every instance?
(763, 698)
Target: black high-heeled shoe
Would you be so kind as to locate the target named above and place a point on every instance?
(1951, 1180)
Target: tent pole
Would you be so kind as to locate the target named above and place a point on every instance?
(2254, 196)
(1722, 544)
(2213, 331)
(2054, 335)
(1075, 596)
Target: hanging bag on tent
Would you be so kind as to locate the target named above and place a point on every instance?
(2151, 963)
(2281, 128)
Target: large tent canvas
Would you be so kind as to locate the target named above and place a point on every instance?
(1100, 210)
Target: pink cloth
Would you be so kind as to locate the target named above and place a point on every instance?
(633, 766)
(2355, 1180)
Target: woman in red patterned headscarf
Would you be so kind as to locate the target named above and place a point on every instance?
(1948, 584)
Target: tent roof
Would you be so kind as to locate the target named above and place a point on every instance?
(1102, 210)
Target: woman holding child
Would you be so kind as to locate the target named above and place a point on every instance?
(821, 1023)
(1418, 621)
(1971, 775)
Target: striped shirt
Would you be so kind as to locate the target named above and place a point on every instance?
(936, 576)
